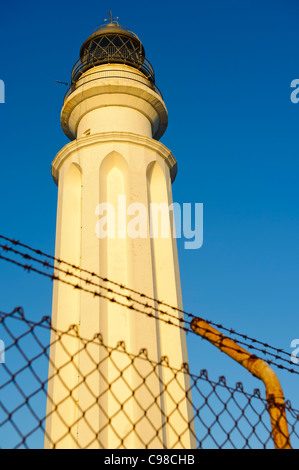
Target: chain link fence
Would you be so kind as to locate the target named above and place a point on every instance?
(120, 405)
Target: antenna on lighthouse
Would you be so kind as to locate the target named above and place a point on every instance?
(62, 83)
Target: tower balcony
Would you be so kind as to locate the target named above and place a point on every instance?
(143, 72)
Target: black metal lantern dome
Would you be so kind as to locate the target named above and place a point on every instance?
(112, 44)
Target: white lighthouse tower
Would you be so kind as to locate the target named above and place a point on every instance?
(115, 115)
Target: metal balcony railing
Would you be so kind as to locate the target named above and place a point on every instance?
(117, 73)
(112, 55)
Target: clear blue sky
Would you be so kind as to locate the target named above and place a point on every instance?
(224, 69)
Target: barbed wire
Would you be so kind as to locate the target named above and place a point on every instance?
(231, 331)
(131, 306)
(54, 277)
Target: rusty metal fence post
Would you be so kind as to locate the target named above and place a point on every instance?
(259, 369)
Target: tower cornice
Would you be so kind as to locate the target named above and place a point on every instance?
(114, 137)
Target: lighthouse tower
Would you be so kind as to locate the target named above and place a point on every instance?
(114, 116)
